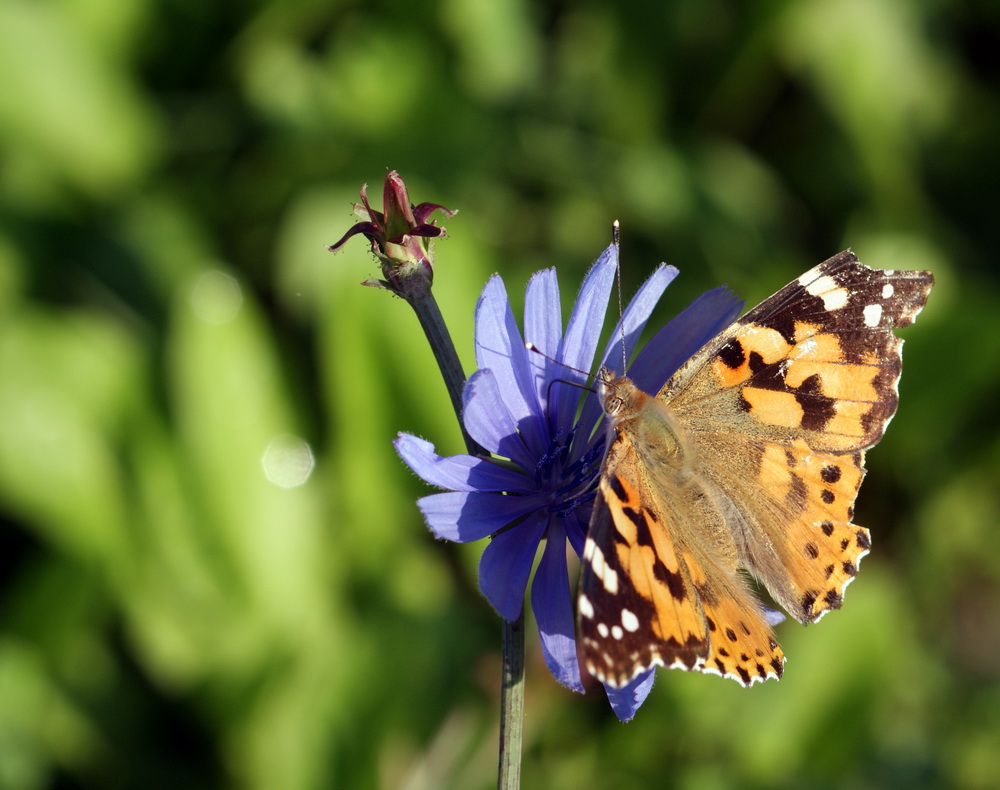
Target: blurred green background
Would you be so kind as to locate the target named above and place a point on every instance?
(212, 570)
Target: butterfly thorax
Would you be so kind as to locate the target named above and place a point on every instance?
(647, 420)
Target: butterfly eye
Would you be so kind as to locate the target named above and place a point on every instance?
(614, 404)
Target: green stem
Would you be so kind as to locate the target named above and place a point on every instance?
(424, 304)
(512, 704)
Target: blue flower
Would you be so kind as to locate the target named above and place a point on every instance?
(519, 407)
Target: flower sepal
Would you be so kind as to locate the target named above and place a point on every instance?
(399, 237)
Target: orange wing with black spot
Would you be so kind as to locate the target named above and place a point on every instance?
(810, 378)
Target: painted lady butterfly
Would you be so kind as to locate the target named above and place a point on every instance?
(749, 459)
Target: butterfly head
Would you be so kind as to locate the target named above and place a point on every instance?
(620, 398)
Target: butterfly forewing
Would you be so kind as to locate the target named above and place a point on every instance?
(817, 359)
(646, 613)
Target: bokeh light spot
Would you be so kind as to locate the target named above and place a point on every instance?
(288, 461)
(216, 297)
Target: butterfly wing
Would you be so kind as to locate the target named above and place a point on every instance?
(658, 582)
(781, 407)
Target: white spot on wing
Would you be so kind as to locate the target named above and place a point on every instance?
(872, 315)
(602, 629)
(616, 632)
(887, 291)
(597, 560)
(608, 576)
(834, 300)
(820, 285)
(630, 621)
(585, 607)
(834, 297)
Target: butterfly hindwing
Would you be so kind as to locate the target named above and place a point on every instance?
(793, 518)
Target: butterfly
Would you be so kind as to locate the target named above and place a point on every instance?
(747, 462)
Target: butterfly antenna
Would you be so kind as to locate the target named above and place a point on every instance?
(616, 240)
(535, 349)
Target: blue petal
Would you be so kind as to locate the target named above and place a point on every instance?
(456, 472)
(632, 322)
(686, 333)
(499, 347)
(506, 565)
(577, 526)
(635, 316)
(772, 617)
(486, 418)
(583, 332)
(543, 328)
(464, 517)
(626, 701)
(552, 604)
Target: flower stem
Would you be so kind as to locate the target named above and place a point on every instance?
(424, 304)
(512, 704)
